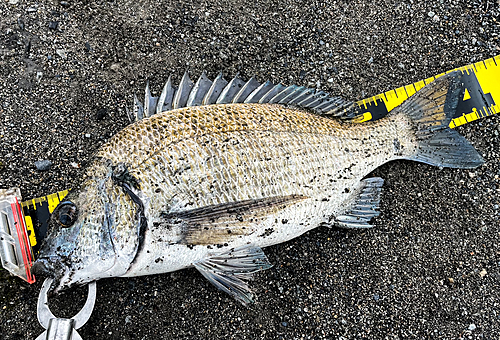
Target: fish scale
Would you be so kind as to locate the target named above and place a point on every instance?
(479, 100)
(313, 146)
(304, 152)
(174, 125)
(213, 184)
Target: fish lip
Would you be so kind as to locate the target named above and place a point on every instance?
(42, 267)
(47, 268)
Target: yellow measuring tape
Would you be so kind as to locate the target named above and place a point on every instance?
(481, 95)
(481, 98)
(43, 207)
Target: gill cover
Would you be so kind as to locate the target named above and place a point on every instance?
(92, 234)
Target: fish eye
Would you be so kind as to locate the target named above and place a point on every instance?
(66, 214)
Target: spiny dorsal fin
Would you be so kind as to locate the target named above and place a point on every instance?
(182, 94)
(272, 92)
(166, 97)
(230, 91)
(248, 88)
(220, 91)
(138, 109)
(259, 92)
(200, 89)
(149, 102)
(215, 90)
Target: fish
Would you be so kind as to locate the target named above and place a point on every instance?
(211, 172)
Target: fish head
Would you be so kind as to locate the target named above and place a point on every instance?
(88, 237)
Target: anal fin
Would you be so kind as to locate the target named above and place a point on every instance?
(229, 271)
(364, 205)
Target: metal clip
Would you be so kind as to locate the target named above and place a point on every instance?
(60, 328)
(16, 254)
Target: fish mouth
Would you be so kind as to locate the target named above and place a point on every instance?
(47, 268)
(41, 267)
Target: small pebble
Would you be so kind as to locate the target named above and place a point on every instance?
(483, 273)
(87, 135)
(101, 113)
(53, 25)
(284, 324)
(472, 327)
(20, 23)
(43, 165)
(62, 53)
(27, 48)
(431, 14)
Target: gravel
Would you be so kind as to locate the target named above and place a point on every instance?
(438, 230)
(43, 165)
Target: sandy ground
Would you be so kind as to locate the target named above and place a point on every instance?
(430, 268)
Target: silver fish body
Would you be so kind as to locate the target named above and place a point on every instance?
(300, 166)
(209, 186)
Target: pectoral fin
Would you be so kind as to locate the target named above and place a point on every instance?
(221, 223)
(364, 205)
(229, 271)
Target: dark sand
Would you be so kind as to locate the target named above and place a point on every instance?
(430, 268)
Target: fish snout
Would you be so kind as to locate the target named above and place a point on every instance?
(42, 267)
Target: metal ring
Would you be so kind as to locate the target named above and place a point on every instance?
(44, 314)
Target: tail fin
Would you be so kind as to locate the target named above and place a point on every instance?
(431, 110)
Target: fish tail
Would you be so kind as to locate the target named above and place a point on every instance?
(431, 111)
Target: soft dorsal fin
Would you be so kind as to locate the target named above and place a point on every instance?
(237, 90)
(229, 271)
